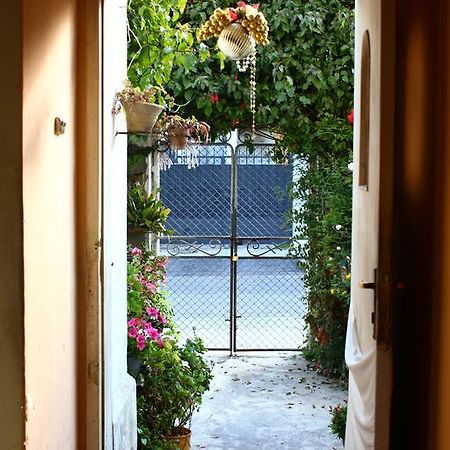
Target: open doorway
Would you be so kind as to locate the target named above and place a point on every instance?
(308, 107)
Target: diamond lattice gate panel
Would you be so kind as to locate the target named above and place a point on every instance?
(198, 277)
(230, 278)
(270, 294)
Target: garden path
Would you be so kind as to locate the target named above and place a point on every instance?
(266, 402)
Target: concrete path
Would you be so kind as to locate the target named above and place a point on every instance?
(267, 402)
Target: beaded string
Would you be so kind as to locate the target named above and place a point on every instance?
(250, 61)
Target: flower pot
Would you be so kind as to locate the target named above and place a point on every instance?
(178, 139)
(181, 437)
(138, 236)
(235, 42)
(141, 117)
(134, 366)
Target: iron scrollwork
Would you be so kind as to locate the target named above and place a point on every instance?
(257, 249)
(181, 246)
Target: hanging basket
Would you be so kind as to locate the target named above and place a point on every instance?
(141, 117)
(235, 42)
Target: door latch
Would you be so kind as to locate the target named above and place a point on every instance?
(373, 286)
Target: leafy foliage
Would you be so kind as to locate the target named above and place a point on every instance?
(304, 75)
(339, 421)
(324, 222)
(171, 377)
(159, 41)
(146, 210)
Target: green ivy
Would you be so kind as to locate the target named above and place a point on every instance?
(303, 76)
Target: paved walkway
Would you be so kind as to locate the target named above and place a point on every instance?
(266, 402)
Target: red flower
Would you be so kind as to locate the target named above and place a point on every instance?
(233, 15)
(214, 98)
(350, 117)
(242, 5)
(323, 337)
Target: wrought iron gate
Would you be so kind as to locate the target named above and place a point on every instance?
(230, 276)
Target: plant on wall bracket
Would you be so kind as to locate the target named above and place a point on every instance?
(146, 211)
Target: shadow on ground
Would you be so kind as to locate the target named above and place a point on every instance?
(266, 402)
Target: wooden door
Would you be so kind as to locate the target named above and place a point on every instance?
(368, 347)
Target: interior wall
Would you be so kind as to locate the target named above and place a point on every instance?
(49, 223)
(11, 250)
(421, 314)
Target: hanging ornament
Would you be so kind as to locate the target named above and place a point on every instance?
(238, 31)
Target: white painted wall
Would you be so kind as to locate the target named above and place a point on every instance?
(120, 396)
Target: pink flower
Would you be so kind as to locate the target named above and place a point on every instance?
(136, 251)
(147, 284)
(153, 312)
(160, 343)
(132, 332)
(153, 333)
(133, 322)
(162, 319)
(140, 342)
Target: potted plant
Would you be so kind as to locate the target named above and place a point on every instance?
(142, 107)
(149, 314)
(146, 214)
(180, 132)
(173, 383)
(171, 378)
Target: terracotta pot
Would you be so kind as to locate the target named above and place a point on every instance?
(178, 139)
(235, 42)
(141, 117)
(182, 438)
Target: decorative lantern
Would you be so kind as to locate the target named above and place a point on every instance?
(235, 42)
(238, 31)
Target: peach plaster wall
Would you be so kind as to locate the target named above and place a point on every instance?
(49, 224)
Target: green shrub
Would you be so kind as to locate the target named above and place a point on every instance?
(171, 378)
(339, 421)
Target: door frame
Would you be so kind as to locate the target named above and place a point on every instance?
(89, 224)
(385, 285)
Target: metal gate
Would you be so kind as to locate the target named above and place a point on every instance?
(230, 277)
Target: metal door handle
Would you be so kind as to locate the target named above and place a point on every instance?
(367, 285)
